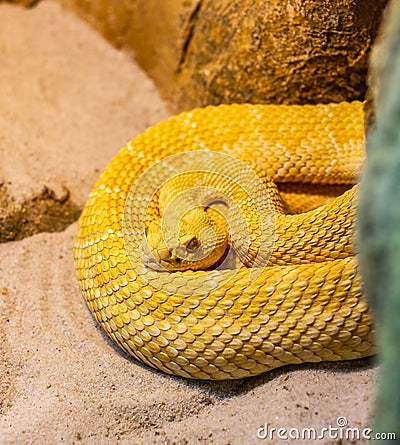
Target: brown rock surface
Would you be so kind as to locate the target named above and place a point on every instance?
(295, 52)
(68, 102)
(202, 52)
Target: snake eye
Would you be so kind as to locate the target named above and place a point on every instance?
(193, 244)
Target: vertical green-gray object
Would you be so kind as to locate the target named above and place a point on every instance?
(379, 225)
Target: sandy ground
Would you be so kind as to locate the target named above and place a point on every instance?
(68, 102)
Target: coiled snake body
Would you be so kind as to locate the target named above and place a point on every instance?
(299, 299)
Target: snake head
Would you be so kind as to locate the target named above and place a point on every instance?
(194, 246)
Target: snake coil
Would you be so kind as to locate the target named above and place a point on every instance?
(284, 288)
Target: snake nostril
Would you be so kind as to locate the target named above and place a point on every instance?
(164, 253)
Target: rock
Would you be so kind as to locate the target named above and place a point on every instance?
(278, 51)
(206, 52)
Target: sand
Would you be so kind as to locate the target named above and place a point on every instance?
(68, 102)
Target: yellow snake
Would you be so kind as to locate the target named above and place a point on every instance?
(287, 292)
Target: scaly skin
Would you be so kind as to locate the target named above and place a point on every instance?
(305, 305)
